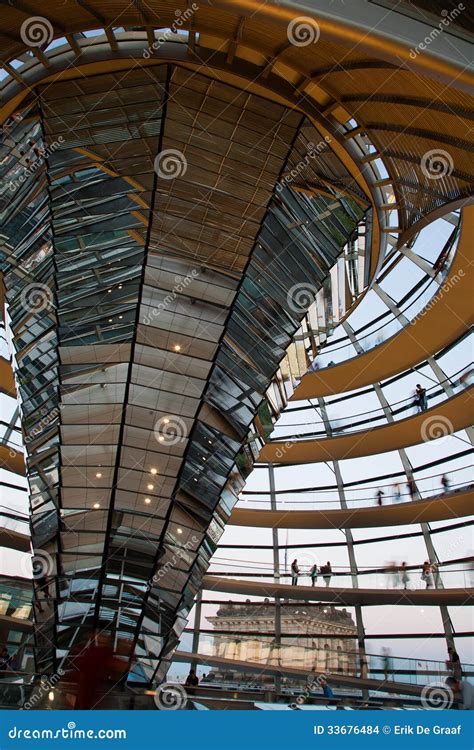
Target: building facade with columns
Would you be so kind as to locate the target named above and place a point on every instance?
(318, 638)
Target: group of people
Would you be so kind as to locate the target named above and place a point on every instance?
(445, 483)
(325, 571)
(397, 571)
(400, 577)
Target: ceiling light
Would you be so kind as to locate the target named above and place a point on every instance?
(180, 531)
(177, 348)
(108, 291)
(147, 500)
(153, 471)
(161, 438)
(96, 506)
(150, 486)
(98, 475)
(166, 420)
(120, 286)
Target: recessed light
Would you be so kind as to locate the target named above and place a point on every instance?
(96, 506)
(195, 479)
(110, 320)
(98, 475)
(180, 531)
(153, 471)
(166, 420)
(177, 348)
(150, 486)
(109, 291)
(161, 438)
(147, 500)
(120, 286)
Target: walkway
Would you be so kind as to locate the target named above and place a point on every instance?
(447, 318)
(345, 596)
(449, 416)
(440, 508)
(386, 686)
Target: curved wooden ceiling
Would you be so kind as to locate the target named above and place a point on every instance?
(422, 103)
